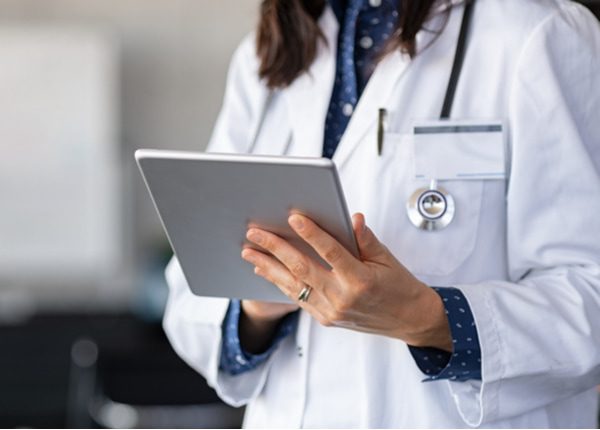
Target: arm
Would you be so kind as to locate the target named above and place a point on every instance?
(464, 362)
(540, 333)
(194, 324)
(248, 342)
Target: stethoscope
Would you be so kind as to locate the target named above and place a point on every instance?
(432, 208)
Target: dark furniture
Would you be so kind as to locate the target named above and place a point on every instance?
(135, 366)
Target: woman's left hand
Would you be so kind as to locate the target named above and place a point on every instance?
(374, 294)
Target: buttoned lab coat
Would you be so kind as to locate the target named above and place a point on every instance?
(524, 251)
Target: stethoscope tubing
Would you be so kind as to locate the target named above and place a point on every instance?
(417, 216)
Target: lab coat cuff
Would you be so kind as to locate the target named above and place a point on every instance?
(477, 400)
(464, 362)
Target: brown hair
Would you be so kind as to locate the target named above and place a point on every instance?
(288, 34)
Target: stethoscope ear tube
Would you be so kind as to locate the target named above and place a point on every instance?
(433, 208)
(428, 208)
(459, 58)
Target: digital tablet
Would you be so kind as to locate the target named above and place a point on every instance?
(206, 202)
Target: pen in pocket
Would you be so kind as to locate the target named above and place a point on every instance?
(381, 130)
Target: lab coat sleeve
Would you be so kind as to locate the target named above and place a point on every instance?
(540, 333)
(194, 324)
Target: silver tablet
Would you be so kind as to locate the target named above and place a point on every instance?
(207, 201)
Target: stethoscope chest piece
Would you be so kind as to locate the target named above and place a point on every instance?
(431, 208)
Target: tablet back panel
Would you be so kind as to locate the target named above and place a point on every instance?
(207, 201)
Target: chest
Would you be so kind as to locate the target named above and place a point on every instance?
(381, 185)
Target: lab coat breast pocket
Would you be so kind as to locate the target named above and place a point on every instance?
(436, 253)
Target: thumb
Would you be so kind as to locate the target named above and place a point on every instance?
(368, 245)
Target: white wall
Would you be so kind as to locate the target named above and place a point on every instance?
(173, 60)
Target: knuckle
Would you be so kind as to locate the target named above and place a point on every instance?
(308, 231)
(299, 269)
(333, 254)
(268, 243)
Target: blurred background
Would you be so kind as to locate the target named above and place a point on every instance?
(83, 84)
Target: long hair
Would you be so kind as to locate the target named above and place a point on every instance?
(288, 35)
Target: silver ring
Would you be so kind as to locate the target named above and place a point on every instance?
(304, 294)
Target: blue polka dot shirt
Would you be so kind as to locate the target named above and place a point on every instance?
(365, 25)
(234, 360)
(464, 362)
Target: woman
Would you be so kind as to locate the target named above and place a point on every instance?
(509, 335)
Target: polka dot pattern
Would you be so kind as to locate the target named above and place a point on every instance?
(364, 28)
(464, 363)
(234, 360)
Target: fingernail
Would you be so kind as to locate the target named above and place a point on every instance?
(255, 236)
(297, 222)
(364, 226)
(246, 255)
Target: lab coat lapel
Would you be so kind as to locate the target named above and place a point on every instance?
(307, 98)
(376, 95)
(378, 92)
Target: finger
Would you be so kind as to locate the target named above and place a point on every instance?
(325, 245)
(276, 273)
(369, 246)
(299, 265)
(272, 270)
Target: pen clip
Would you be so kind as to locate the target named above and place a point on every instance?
(382, 115)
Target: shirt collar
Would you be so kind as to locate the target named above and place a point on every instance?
(339, 7)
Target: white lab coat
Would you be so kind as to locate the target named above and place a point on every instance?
(525, 252)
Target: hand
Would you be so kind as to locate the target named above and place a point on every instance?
(373, 294)
(266, 312)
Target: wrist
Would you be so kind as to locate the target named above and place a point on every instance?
(263, 313)
(256, 330)
(432, 328)
(258, 323)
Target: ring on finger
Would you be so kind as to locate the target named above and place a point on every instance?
(304, 294)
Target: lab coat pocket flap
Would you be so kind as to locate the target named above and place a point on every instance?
(459, 150)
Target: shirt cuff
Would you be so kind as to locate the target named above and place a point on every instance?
(464, 362)
(234, 360)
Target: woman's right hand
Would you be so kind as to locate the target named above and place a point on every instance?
(258, 322)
